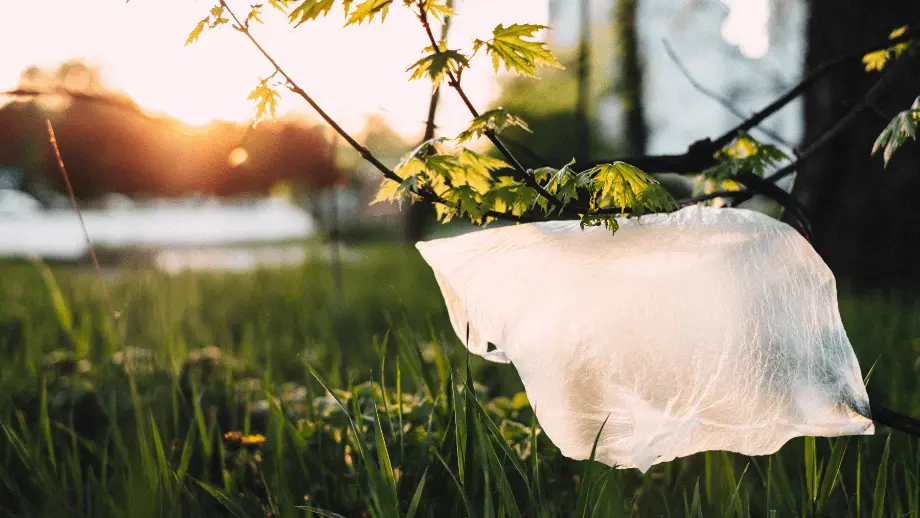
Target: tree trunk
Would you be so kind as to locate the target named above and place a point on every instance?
(582, 124)
(420, 214)
(864, 216)
(630, 75)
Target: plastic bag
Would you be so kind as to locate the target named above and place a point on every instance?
(703, 329)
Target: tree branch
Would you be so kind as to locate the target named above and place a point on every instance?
(363, 151)
(716, 97)
(454, 80)
(888, 78)
(700, 154)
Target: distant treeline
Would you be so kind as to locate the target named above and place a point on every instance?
(110, 145)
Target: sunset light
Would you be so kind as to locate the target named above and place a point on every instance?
(352, 72)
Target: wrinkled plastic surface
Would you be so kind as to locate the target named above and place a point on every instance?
(703, 329)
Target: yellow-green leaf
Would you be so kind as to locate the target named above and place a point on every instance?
(515, 47)
(897, 33)
(744, 154)
(623, 186)
(254, 14)
(196, 32)
(438, 10)
(593, 220)
(437, 64)
(875, 60)
(309, 10)
(493, 120)
(280, 5)
(266, 99)
(397, 191)
(901, 128)
(366, 10)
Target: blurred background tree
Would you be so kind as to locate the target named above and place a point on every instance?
(865, 217)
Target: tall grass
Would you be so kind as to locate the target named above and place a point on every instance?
(220, 395)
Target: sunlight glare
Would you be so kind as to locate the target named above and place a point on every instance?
(747, 26)
(237, 157)
(352, 72)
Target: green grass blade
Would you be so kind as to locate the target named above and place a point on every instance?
(811, 483)
(383, 459)
(881, 482)
(735, 501)
(46, 426)
(587, 482)
(228, 503)
(417, 496)
(465, 499)
(829, 480)
(321, 512)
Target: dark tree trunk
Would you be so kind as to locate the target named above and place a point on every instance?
(582, 124)
(866, 218)
(630, 75)
(420, 214)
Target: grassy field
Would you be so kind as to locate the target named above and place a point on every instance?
(208, 400)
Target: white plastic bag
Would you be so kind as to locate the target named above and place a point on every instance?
(703, 329)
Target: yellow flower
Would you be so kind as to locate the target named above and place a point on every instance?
(253, 440)
(233, 436)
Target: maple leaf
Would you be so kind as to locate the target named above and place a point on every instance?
(514, 47)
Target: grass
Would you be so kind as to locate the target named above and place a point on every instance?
(224, 398)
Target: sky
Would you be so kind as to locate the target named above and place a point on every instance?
(351, 72)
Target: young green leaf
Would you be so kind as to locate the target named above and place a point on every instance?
(744, 154)
(902, 127)
(495, 120)
(309, 10)
(514, 47)
(564, 183)
(437, 64)
(508, 195)
(397, 191)
(366, 10)
(594, 220)
(467, 200)
(623, 186)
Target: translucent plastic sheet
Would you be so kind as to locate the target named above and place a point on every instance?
(704, 329)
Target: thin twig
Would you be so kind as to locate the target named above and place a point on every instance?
(582, 127)
(453, 79)
(871, 96)
(76, 207)
(810, 78)
(363, 151)
(716, 97)
(700, 154)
